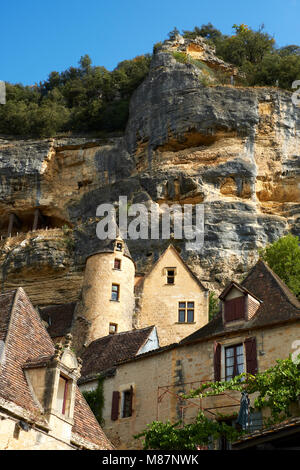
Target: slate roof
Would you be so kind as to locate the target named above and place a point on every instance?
(103, 353)
(26, 343)
(59, 318)
(278, 304)
(107, 246)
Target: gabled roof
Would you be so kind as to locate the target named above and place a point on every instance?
(59, 318)
(188, 269)
(103, 353)
(278, 304)
(238, 286)
(26, 343)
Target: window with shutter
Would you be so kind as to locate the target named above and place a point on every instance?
(234, 309)
(217, 361)
(234, 361)
(127, 403)
(115, 406)
(251, 355)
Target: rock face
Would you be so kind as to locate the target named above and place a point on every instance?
(234, 149)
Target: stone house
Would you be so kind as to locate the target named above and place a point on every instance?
(41, 406)
(258, 323)
(114, 299)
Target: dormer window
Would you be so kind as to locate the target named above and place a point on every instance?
(238, 304)
(235, 309)
(62, 400)
(119, 246)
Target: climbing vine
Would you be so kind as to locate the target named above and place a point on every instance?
(95, 399)
(276, 388)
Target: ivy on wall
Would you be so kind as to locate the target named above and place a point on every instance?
(95, 400)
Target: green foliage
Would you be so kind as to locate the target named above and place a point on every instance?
(167, 436)
(95, 400)
(207, 31)
(80, 99)
(276, 388)
(172, 34)
(283, 256)
(180, 57)
(254, 52)
(213, 305)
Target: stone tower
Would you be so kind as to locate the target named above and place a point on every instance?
(108, 290)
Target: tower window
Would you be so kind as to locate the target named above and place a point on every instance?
(115, 292)
(170, 276)
(186, 312)
(117, 264)
(119, 246)
(113, 328)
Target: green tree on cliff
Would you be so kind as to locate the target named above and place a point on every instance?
(283, 256)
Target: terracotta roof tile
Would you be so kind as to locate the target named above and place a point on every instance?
(86, 425)
(27, 343)
(104, 353)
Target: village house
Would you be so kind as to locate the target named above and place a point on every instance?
(149, 338)
(41, 406)
(258, 323)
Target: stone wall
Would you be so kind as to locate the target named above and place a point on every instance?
(158, 377)
(160, 301)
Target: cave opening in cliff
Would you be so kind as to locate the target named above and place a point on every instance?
(18, 222)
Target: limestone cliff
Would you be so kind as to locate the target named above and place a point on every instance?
(188, 140)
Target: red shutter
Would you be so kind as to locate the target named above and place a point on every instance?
(251, 355)
(115, 406)
(235, 309)
(217, 361)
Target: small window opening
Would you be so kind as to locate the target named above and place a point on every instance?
(127, 403)
(113, 327)
(115, 292)
(170, 276)
(117, 264)
(119, 246)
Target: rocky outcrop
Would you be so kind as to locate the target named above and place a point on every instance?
(234, 149)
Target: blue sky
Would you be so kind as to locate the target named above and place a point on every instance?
(38, 37)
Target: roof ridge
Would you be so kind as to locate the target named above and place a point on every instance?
(289, 295)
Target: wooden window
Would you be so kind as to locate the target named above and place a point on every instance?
(115, 292)
(127, 403)
(117, 263)
(115, 406)
(170, 276)
(113, 328)
(62, 395)
(251, 355)
(186, 312)
(234, 361)
(234, 309)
